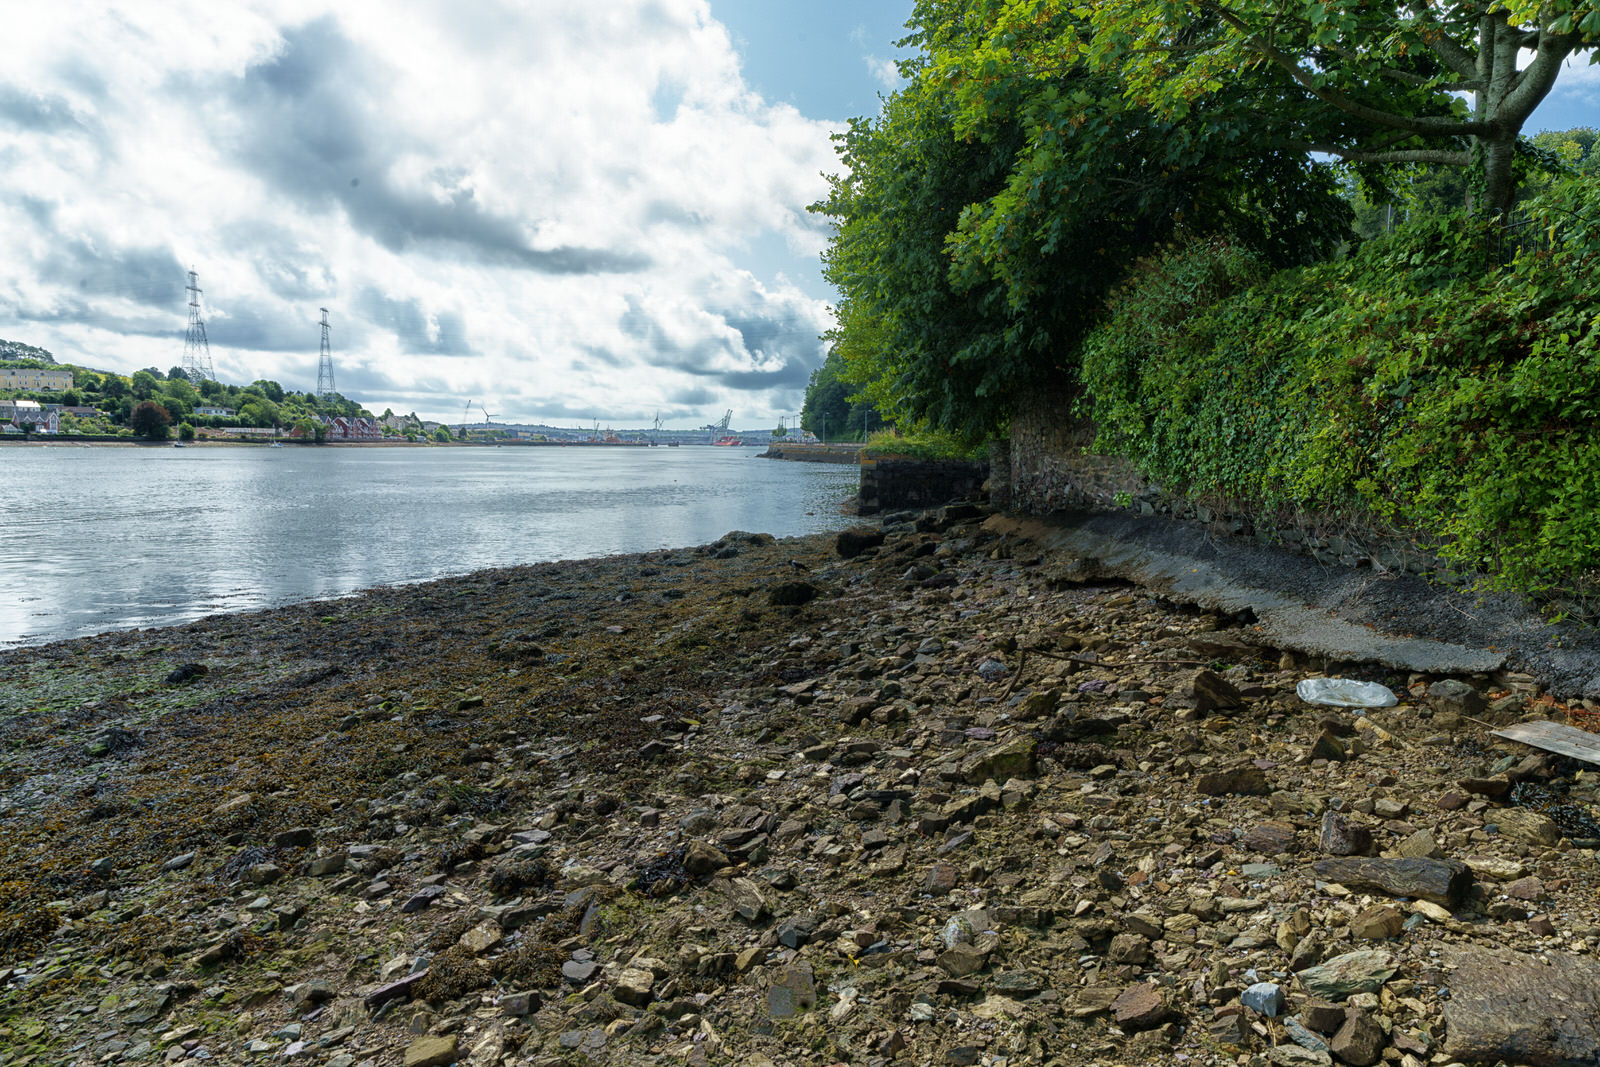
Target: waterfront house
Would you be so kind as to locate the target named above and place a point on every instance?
(32, 378)
(19, 413)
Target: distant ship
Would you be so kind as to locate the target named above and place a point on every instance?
(727, 442)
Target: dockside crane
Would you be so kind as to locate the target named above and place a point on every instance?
(464, 413)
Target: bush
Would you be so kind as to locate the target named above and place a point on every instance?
(1416, 381)
(886, 443)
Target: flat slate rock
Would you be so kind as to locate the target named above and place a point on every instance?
(1511, 1007)
(1363, 971)
(1442, 882)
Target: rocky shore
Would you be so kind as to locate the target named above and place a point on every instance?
(917, 794)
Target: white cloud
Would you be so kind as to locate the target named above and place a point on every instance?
(1579, 80)
(885, 71)
(543, 205)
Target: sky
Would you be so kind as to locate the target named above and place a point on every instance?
(564, 212)
(561, 212)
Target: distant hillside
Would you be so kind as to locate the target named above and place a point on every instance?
(18, 350)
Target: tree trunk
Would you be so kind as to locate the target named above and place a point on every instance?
(1499, 179)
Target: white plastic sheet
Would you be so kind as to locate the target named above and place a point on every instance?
(1346, 693)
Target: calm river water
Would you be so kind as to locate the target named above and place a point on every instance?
(98, 539)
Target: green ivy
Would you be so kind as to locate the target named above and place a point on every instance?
(1417, 380)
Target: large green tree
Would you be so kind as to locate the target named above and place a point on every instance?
(984, 214)
(1445, 83)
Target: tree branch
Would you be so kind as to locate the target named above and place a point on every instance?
(1447, 48)
(1442, 156)
(1533, 84)
(1423, 126)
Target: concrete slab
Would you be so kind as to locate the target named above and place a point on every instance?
(1229, 579)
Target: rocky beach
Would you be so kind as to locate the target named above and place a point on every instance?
(920, 793)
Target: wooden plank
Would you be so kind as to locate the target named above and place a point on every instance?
(1555, 737)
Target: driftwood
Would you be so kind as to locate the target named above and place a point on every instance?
(1443, 882)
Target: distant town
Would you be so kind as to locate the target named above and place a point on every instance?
(39, 397)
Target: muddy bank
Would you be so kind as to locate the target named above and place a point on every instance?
(945, 799)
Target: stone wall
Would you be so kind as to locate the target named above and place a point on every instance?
(889, 484)
(818, 453)
(1051, 469)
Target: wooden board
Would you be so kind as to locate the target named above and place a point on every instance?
(1554, 737)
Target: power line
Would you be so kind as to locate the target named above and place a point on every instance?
(196, 349)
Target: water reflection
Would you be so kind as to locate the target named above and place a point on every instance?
(118, 537)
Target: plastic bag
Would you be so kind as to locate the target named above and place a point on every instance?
(1346, 693)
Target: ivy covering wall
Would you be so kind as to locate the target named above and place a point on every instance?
(1444, 379)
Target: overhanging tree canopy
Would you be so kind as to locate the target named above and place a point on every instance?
(1000, 194)
(1421, 82)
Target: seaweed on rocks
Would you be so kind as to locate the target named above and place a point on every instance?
(1550, 799)
(453, 974)
(531, 965)
(446, 936)
(26, 921)
(517, 874)
(663, 875)
(456, 853)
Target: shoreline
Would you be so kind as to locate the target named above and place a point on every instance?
(786, 802)
(68, 442)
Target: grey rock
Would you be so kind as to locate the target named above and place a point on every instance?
(299, 837)
(1303, 1036)
(422, 898)
(579, 972)
(1453, 695)
(525, 1003)
(1264, 997)
(1363, 971)
(793, 991)
(1511, 1007)
(1295, 1056)
(1342, 837)
(796, 931)
(1360, 1041)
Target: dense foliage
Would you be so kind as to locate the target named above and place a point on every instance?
(1418, 381)
(986, 211)
(832, 410)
